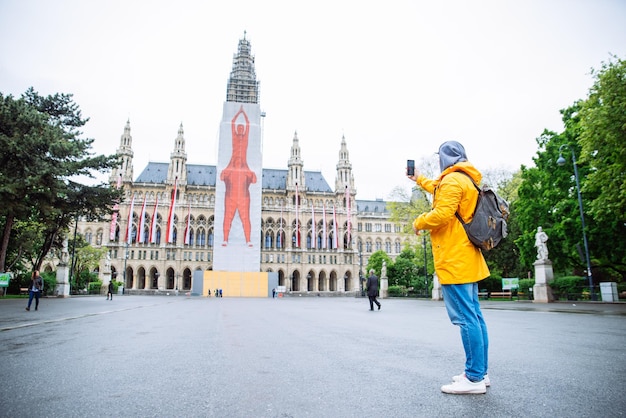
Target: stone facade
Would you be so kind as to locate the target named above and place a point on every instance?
(337, 232)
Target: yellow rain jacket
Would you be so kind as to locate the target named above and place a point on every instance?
(457, 260)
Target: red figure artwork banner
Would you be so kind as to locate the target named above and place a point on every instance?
(238, 190)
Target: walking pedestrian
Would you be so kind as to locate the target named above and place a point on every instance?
(372, 289)
(110, 290)
(34, 289)
(459, 264)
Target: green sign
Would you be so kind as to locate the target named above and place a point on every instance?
(510, 283)
(4, 279)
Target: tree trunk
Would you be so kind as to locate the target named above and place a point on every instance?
(4, 245)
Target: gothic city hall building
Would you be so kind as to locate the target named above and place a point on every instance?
(180, 222)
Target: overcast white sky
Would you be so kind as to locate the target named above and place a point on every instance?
(396, 77)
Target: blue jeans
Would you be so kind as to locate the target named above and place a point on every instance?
(32, 294)
(463, 308)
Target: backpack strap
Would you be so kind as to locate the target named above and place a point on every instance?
(477, 188)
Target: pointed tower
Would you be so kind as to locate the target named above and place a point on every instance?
(243, 86)
(295, 167)
(178, 160)
(239, 170)
(345, 193)
(125, 151)
(345, 178)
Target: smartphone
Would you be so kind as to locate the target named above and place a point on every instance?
(410, 167)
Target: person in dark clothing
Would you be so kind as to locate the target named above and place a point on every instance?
(110, 291)
(34, 289)
(372, 290)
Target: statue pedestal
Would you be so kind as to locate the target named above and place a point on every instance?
(383, 292)
(63, 284)
(106, 279)
(542, 292)
(437, 295)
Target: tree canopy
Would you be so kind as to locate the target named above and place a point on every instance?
(43, 153)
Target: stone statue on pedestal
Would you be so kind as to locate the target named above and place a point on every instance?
(65, 255)
(541, 238)
(542, 293)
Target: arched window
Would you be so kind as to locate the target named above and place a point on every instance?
(200, 238)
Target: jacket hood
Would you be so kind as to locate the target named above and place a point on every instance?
(450, 153)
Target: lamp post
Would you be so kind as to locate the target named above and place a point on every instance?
(561, 161)
(361, 272)
(425, 264)
(125, 258)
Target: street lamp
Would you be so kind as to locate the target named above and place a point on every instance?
(361, 272)
(425, 263)
(561, 161)
(125, 259)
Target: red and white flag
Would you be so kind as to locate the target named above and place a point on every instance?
(324, 239)
(297, 223)
(169, 236)
(313, 228)
(142, 219)
(348, 215)
(335, 238)
(153, 223)
(129, 229)
(116, 209)
(279, 239)
(188, 227)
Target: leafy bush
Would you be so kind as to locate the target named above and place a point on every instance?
(95, 287)
(525, 285)
(569, 287)
(396, 291)
(49, 283)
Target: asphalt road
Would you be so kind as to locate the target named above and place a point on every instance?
(159, 356)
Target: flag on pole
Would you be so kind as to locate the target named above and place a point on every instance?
(187, 228)
(297, 223)
(279, 239)
(142, 218)
(116, 209)
(169, 237)
(335, 238)
(313, 228)
(324, 239)
(349, 225)
(153, 222)
(129, 229)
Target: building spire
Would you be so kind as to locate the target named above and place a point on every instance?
(295, 166)
(178, 159)
(125, 151)
(344, 177)
(242, 85)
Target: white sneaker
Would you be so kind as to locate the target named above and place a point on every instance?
(465, 387)
(459, 376)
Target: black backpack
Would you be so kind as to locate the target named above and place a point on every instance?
(488, 225)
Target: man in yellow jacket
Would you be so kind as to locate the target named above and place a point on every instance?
(458, 263)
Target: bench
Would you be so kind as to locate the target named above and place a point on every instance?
(23, 291)
(506, 294)
(486, 295)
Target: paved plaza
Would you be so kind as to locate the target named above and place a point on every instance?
(179, 356)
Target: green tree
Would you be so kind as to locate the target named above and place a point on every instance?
(603, 147)
(43, 153)
(375, 261)
(404, 271)
(86, 260)
(603, 142)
